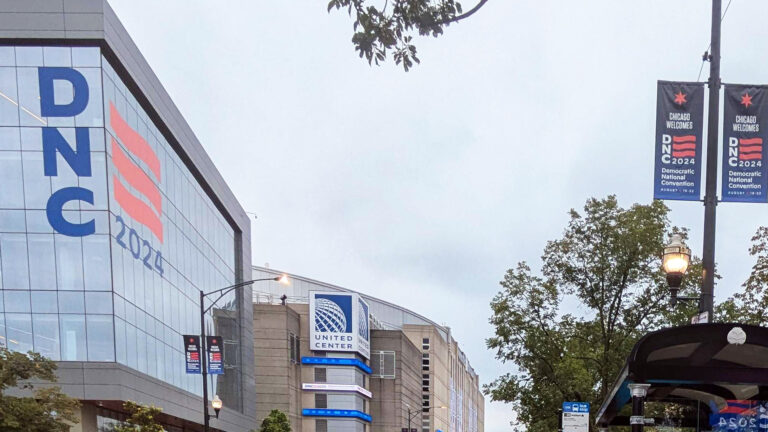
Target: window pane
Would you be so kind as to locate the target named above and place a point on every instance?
(3, 340)
(29, 56)
(17, 301)
(47, 335)
(100, 338)
(9, 138)
(12, 192)
(120, 340)
(98, 303)
(44, 302)
(12, 221)
(9, 110)
(37, 186)
(71, 302)
(86, 56)
(13, 252)
(57, 56)
(73, 337)
(41, 262)
(96, 263)
(69, 263)
(29, 97)
(19, 331)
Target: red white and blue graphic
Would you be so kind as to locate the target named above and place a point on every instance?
(679, 126)
(745, 129)
(740, 416)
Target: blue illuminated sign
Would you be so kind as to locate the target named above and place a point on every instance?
(329, 361)
(311, 412)
(576, 407)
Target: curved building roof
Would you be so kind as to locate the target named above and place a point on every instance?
(384, 314)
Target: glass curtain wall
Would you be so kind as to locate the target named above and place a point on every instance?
(127, 290)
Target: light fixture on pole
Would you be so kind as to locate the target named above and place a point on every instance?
(283, 279)
(216, 403)
(675, 262)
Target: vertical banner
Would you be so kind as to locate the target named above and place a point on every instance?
(192, 353)
(745, 128)
(679, 124)
(215, 360)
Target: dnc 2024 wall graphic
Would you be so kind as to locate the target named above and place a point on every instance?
(105, 235)
(340, 322)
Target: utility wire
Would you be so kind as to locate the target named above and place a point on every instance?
(706, 52)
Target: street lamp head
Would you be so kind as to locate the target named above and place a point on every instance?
(217, 404)
(675, 261)
(283, 279)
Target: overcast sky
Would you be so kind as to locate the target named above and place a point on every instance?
(423, 188)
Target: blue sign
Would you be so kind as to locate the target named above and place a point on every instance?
(78, 158)
(745, 130)
(363, 329)
(333, 313)
(311, 412)
(215, 355)
(329, 361)
(678, 147)
(192, 353)
(576, 407)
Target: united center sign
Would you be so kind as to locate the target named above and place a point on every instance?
(339, 322)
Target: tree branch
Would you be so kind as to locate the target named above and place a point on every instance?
(467, 14)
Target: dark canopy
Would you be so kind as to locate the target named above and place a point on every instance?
(693, 364)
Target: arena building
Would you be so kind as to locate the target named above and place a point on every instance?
(336, 360)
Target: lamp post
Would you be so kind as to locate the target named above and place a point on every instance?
(412, 412)
(217, 403)
(675, 263)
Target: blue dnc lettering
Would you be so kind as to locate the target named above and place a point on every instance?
(78, 158)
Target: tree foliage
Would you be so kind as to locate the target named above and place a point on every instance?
(379, 30)
(142, 418)
(46, 409)
(568, 330)
(276, 421)
(750, 306)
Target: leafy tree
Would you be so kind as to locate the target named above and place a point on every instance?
(142, 418)
(379, 30)
(568, 330)
(276, 421)
(46, 410)
(751, 305)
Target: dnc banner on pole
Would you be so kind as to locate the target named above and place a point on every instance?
(679, 121)
(745, 128)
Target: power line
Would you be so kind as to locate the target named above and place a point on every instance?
(704, 58)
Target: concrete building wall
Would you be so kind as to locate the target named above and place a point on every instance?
(393, 398)
(278, 379)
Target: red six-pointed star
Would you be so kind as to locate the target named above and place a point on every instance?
(680, 98)
(746, 100)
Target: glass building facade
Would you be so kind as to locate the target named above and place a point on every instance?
(106, 237)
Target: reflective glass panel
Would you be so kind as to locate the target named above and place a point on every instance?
(73, 343)
(47, 335)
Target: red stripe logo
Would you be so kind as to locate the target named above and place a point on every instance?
(143, 213)
(750, 148)
(684, 146)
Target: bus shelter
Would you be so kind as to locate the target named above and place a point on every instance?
(709, 377)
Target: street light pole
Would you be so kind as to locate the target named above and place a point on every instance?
(203, 310)
(412, 413)
(710, 196)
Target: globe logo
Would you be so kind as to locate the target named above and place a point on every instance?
(329, 318)
(362, 318)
